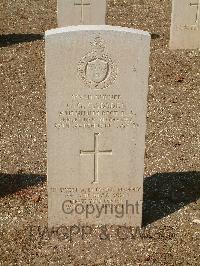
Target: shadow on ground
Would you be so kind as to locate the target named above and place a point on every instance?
(12, 183)
(9, 39)
(165, 193)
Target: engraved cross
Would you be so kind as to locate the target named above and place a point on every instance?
(82, 4)
(96, 152)
(197, 5)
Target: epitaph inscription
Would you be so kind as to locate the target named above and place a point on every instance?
(96, 110)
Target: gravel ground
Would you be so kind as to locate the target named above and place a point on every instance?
(170, 235)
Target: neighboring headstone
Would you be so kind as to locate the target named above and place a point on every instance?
(81, 12)
(185, 27)
(97, 83)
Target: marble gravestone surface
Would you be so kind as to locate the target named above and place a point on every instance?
(97, 84)
(185, 25)
(81, 12)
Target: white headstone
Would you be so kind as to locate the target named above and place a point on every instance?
(185, 27)
(81, 12)
(97, 84)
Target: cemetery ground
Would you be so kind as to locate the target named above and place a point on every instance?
(170, 234)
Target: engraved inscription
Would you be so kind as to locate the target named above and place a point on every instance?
(186, 27)
(96, 152)
(95, 194)
(82, 4)
(97, 69)
(96, 111)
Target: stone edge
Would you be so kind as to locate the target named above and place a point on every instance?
(95, 28)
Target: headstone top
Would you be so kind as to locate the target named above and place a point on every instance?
(95, 28)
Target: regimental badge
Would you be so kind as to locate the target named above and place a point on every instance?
(97, 69)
